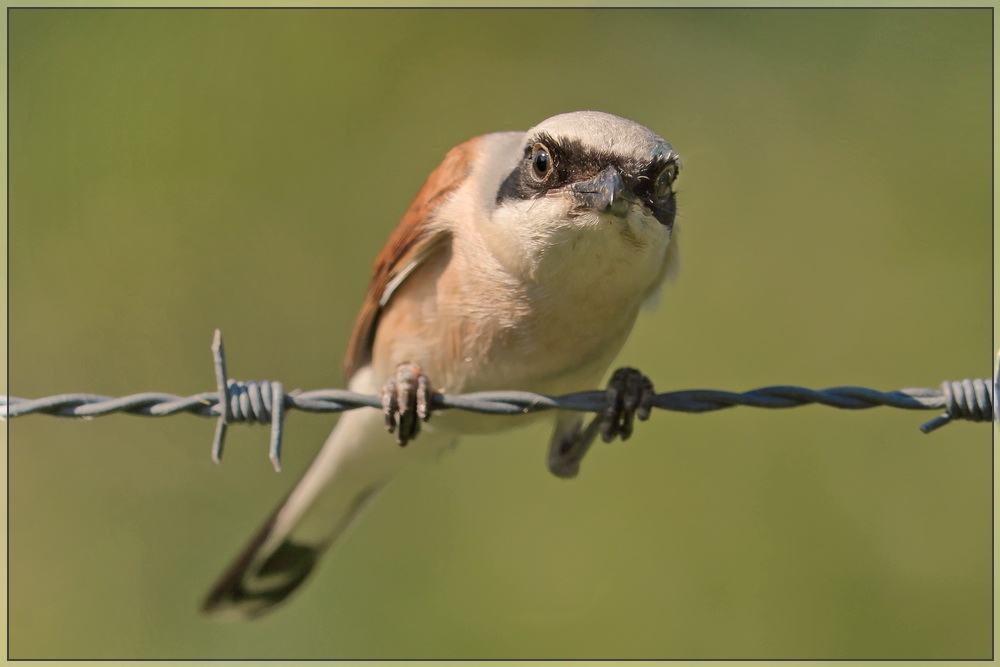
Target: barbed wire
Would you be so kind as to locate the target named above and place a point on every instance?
(265, 402)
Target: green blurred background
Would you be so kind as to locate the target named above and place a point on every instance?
(176, 171)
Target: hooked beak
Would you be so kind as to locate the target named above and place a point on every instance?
(605, 193)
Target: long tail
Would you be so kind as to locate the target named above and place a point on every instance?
(356, 461)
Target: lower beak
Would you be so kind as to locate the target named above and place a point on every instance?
(605, 193)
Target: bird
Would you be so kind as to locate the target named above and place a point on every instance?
(522, 263)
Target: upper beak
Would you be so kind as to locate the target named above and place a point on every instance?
(605, 193)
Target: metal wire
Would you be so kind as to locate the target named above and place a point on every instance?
(265, 402)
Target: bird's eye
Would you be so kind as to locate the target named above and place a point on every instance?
(665, 181)
(541, 162)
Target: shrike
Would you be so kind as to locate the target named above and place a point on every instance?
(521, 264)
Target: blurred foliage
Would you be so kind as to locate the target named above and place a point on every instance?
(174, 171)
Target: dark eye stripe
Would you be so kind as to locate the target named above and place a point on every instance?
(569, 161)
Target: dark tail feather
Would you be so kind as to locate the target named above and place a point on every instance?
(275, 580)
(346, 472)
(245, 592)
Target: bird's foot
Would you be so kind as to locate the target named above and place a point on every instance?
(406, 401)
(630, 394)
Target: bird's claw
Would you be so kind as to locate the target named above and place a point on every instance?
(630, 394)
(406, 401)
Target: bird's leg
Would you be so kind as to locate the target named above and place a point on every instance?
(630, 394)
(569, 444)
(406, 401)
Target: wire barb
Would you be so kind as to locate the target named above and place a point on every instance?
(971, 400)
(265, 402)
(996, 389)
(261, 402)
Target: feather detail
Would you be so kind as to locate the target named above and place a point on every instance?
(413, 242)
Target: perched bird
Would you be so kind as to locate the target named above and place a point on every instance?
(521, 264)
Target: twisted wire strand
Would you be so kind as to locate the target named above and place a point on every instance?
(253, 402)
(265, 402)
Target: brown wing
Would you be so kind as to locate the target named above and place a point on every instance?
(413, 242)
